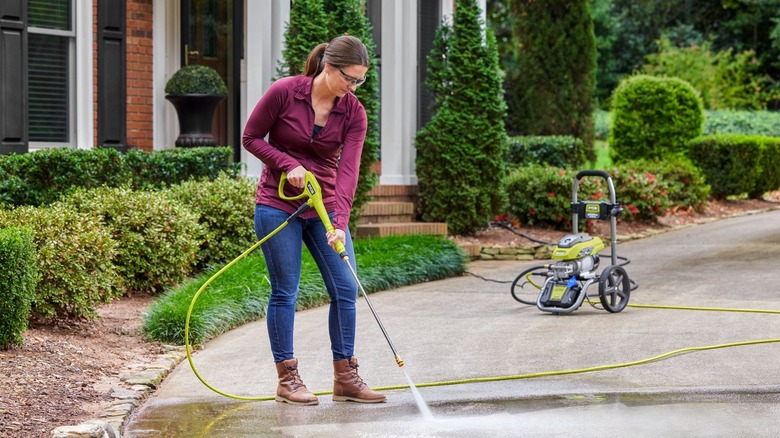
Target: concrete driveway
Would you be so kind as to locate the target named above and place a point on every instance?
(468, 328)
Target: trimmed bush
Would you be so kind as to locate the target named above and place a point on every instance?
(653, 118)
(225, 210)
(43, 177)
(541, 195)
(554, 150)
(18, 277)
(173, 166)
(157, 237)
(196, 79)
(74, 254)
(734, 165)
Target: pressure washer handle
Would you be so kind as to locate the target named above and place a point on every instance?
(312, 189)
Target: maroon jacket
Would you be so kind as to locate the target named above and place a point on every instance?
(286, 115)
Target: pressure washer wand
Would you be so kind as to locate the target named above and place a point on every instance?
(398, 359)
(313, 191)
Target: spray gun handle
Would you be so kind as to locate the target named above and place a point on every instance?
(314, 192)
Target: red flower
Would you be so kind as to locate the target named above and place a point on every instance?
(552, 195)
(632, 209)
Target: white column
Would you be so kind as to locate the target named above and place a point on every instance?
(85, 107)
(398, 89)
(264, 38)
(165, 61)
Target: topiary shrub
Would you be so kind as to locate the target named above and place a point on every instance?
(225, 210)
(461, 151)
(157, 237)
(18, 277)
(541, 195)
(74, 254)
(196, 79)
(653, 117)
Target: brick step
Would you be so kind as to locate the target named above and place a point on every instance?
(394, 193)
(381, 212)
(390, 229)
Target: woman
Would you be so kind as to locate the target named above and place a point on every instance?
(314, 123)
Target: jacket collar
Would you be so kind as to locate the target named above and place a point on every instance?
(303, 91)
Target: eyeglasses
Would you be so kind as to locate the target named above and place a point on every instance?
(351, 79)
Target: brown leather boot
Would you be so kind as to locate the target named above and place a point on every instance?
(347, 384)
(291, 388)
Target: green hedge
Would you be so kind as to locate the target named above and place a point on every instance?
(554, 150)
(18, 277)
(74, 254)
(157, 237)
(765, 123)
(225, 208)
(43, 177)
(734, 165)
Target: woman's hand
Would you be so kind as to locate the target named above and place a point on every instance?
(297, 177)
(336, 236)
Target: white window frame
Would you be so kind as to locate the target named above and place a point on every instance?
(80, 77)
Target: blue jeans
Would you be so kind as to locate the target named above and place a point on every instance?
(283, 257)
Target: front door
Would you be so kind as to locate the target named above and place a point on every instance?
(209, 37)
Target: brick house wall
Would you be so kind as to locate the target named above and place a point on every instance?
(140, 89)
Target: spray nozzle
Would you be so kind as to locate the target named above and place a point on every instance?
(311, 188)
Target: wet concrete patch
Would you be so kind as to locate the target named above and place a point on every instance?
(582, 415)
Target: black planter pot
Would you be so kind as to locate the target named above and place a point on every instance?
(195, 112)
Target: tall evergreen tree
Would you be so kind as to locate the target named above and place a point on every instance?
(460, 152)
(348, 17)
(556, 63)
(307, 27)
(438, 80)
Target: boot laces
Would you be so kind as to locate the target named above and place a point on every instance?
(356, 379)
(296, 381)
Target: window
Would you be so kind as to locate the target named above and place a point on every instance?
(51, 48)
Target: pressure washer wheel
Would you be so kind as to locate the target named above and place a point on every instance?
(614, 288)
(524, 289)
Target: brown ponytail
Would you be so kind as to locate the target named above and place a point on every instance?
(314, 61)
(341, 52)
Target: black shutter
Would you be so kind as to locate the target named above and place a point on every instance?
(112, 78)
(13, 76)
(428, 20)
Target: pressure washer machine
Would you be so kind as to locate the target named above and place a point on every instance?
(562, 286)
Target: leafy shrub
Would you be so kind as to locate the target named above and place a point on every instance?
(74, 254)
(738, 164)
(157, 237)
(653, 117)
(196, 79)
(225, 210)
(554, 150)
(18, 276)
(646, 189)
(742, 122)
(723, 79)
(680, 180)
(45, 176)
(541, 194)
